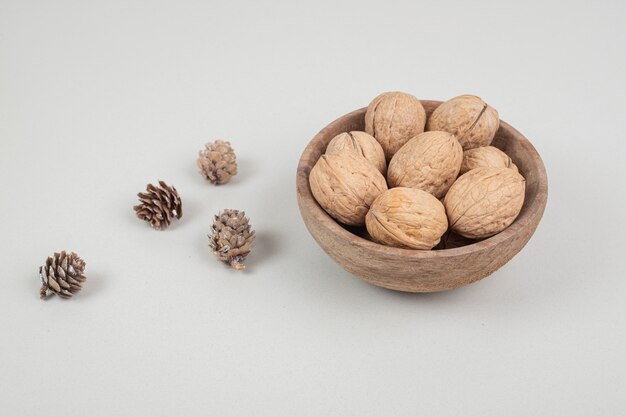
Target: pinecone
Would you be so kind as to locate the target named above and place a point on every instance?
(231, 240)
(159, 205)
(62, 274)
(217, 162)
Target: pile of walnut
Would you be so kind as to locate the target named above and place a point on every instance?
(442, 177)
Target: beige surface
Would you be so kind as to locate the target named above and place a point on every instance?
(99, 98)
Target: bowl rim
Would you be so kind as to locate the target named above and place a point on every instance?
(535, 207)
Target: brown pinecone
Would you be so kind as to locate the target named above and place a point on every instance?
(231, 240)
(159, 205)
(62, 274)
(217, 162)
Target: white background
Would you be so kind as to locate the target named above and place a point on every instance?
(99, 98)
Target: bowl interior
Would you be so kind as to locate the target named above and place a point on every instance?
(507, 139)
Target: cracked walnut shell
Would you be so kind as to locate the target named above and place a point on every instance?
(485, 156)
(469, 118)
(484, 201)
(360, 144)
(345, 186)
(407, 218)
(393, 118)
(429, 162)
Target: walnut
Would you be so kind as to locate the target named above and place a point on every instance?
(484, 201)
(345, 185)
(394, 118)
(485, 156)
(429, 162)
(361, 144)
(407, 218)
(469, 118)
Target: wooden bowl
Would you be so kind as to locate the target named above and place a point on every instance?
(414, 270)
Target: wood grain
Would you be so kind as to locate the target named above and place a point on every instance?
(415, 270)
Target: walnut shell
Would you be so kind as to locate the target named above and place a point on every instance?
(345, 185)
(406, 218)
(429, 162)
(485, 156)
(484, 201)
(393, 118)
(360, 144)
(469, 118)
